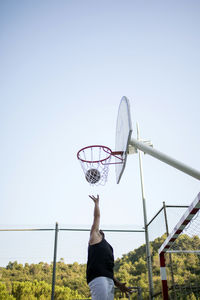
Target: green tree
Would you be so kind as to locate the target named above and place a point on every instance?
(33, 281)
(4, 295)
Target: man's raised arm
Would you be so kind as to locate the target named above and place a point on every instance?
(95, 236)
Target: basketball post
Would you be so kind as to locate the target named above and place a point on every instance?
(148, 253)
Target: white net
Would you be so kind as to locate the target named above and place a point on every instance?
(189, 239)
(182, 255)
(95, 161)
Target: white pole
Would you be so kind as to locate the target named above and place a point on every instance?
(148, 253)
(165, 158)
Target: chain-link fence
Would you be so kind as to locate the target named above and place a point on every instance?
(45, 252)
(53, 244)
(159, 228)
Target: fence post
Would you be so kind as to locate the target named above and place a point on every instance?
(54, 262)
(170, 256)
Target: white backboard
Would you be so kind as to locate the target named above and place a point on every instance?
(123, 135)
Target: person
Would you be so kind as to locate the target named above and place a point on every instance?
(100, 262)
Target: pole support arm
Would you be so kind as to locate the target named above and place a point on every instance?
(165, 158)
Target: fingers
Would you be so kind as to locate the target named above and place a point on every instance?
(94, 198)
(126, 289)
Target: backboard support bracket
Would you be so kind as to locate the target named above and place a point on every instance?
(133, 150)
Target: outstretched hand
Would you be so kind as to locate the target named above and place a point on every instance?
(125, 289)
(95, 199)
(122, 286)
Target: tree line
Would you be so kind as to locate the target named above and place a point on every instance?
(33, 281)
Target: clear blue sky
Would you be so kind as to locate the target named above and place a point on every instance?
(64, 67)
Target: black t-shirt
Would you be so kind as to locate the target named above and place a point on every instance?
(100, 261)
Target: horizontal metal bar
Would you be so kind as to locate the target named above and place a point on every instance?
(106, 230)
(69, 229)
(183, 251)
(28, 229)
(167, 206)
(177, 206)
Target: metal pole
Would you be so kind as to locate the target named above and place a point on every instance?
(139, 293)
(165, 214)
(163, 276)
(148, 254)
(54, 262)
(165, 158)
(170, 255)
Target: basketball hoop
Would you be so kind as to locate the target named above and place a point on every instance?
(95, 161)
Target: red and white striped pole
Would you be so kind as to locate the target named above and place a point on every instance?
(163, 275)
(186, 218)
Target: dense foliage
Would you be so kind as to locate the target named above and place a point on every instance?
(33, 281)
